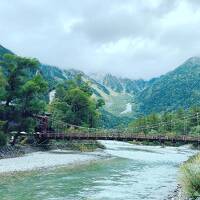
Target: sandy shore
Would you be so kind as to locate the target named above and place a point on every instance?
(39, 160)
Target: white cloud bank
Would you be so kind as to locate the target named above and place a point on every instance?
(133, 38)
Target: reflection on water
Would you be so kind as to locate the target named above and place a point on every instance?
(134, 172)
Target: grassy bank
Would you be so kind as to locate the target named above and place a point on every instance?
(190, 177)
(77, 145)
(85, 146)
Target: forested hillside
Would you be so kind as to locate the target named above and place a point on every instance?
(179, 88)
(23, 92)
(126, 98)
(4, 51)
(180, 122)
(55, 76)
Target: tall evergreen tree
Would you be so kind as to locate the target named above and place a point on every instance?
(23, 93)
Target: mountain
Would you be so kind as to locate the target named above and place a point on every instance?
(124, 84)
(3, 51)
(121, 100)
(116, 100)
(178, 88)
(126, 98)
(53, 75)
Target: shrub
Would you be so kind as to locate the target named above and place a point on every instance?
(153, 132)
(3, 139)
(195, 130)
(190, 177)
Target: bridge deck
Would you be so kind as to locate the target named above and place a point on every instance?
(119, 137)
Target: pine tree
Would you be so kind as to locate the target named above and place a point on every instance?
(23, 94)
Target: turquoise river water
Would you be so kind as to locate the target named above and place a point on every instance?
(132, 172)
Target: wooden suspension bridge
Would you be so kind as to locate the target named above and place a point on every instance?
(65, 131)
(118, 137)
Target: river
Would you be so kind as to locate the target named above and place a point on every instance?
(133, 172)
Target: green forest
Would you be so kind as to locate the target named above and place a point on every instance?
(180, 122)
(24, 95)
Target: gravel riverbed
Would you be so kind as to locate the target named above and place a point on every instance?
(54, 158)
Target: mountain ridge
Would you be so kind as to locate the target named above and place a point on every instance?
(177, 88)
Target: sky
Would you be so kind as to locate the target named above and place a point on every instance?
(128, 38)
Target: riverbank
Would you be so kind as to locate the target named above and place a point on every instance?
(29, 157)
(49, 159)
(190, 177)
(20, 150)
(189, 183)
(17, 151)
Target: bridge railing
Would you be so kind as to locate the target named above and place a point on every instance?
(147, 131)
(117, 136)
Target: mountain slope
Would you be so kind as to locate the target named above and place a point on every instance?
(124, 84)
(53, 75)
(130, 98)
(121, 100)
(3, 51)
(179, 88)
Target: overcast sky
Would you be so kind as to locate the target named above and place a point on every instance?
(130, 38)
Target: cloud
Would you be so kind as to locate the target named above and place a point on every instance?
(137, 39)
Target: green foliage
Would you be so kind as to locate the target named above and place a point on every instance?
(190, 177)
(2, 86)
(100, 103)
(73, 104)
(3, 51)
(195, 130)
(23, 93)
(3, 139)
(153, 132)
(177, 88)
(180, 122)
(53, 75)
(108, 120)
(163, 94)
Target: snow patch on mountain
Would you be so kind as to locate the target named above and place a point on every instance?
(128, 109)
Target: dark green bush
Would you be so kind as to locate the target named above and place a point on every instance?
(3, 139)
